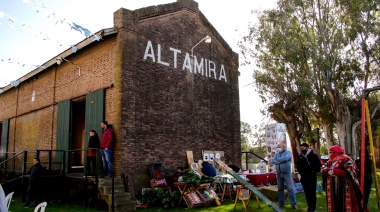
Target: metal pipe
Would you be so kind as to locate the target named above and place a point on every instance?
(362, 147)
(373, 154)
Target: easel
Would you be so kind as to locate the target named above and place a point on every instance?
(240, 196)
(223, 189)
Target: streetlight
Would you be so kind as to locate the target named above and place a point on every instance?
(207, 39)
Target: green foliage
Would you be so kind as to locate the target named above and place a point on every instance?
(206, 178)
(245, 136)
(313, 58)
(165, 198)
(324, 150)
(150, 196)
(189, 176)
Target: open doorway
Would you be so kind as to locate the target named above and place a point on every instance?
(78, 134)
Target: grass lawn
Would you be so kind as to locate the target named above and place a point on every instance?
(227, 205)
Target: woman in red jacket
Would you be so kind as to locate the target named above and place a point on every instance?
(341, 183)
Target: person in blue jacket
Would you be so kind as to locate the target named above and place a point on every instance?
(208, 169)
(283, 160)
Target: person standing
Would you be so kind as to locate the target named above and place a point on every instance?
(308, 165)
(35, 174)
(283, 160)
(93, 146)
(106, 146)
(341, 183)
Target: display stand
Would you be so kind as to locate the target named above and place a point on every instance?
(201, 196)
(208, 196)
(193, 200)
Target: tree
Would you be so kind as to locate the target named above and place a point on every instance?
(307, 69)
(246, 135)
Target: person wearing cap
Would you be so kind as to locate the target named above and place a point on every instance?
(308, 165)
(341, 183)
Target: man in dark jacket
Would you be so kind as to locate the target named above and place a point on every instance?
(35, 174)
(308, 165)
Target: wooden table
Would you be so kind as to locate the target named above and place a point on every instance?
(223, 186)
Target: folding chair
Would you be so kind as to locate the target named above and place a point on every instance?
(8, 199)
(41, 206)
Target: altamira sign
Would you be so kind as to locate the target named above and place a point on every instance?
(204, 67)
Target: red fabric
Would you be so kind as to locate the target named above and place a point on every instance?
(332, 156)
(342, 188)
(339, 172)
(91, 153)
(157, 173)
(107, 139)
(258, 179)
(336, 149)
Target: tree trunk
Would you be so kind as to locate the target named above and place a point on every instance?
(343, 119)
(316, 142)
(328, 133)
(343, 129)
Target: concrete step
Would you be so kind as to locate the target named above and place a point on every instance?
(108, 189)
(124, 206)
(118, 197)
(108, 181)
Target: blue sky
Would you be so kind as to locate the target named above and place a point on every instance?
(34, 31)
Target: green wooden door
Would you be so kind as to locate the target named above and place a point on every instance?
(94, 112)
(63, 130)
(94, 116)
(4, 139)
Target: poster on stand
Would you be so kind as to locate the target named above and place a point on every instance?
(274, 134)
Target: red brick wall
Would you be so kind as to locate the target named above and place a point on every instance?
(158, 112)
(165, 110)
(33, 123)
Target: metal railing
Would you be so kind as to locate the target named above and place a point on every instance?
(56, 162)
(252, 154)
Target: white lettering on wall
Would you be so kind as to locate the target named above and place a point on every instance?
(175, 52)
(206, 65)
(149, 48)
(187, 63)
(211, 67)
(222, 74)
(200, 66)
(159, 57)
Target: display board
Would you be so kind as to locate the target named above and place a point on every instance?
(274, 134)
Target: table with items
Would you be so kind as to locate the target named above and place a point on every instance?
(262, 179)
(224, 186)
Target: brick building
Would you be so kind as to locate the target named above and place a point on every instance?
(161, 96)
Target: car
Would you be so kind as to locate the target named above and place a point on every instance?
(325, 158)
